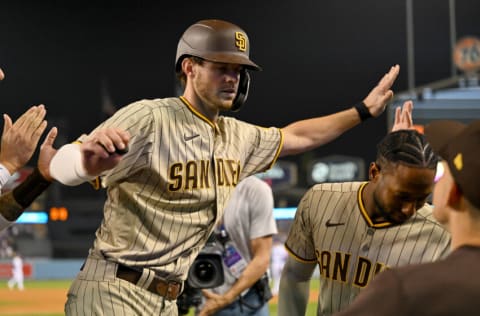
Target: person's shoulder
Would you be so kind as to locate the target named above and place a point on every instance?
(254, 185)
(342, 187)
(253, 181)
(229, 121)
(425, 214)
(159, 103)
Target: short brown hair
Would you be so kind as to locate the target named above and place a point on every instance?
(182, 78)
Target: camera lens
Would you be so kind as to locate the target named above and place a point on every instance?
(204, 270)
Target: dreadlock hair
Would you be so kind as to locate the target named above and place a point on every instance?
(407, 147)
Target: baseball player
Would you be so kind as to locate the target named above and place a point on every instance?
(450, 286)
(184, 159)
(17, 273)
(354, 230)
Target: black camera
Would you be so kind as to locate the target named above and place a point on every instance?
(206, 272)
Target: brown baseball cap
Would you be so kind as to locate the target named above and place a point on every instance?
(459, 145)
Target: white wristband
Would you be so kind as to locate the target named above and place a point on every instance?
(4, 175)
(4, 223)
(67, 166)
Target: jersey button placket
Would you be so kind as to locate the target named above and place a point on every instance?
(365, 247)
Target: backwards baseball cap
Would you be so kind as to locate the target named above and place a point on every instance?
(459, 145)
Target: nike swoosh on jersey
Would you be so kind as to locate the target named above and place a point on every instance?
(330, 224)
(187, 138)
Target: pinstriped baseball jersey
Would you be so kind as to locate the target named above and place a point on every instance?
(172, 186)
(332, 228)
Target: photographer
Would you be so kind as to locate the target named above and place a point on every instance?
(250, 224)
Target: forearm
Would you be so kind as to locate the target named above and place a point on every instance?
(308, 134)
(67, 166)
(9, 210)
(293, 297)
(252, 273)
(13, 203)
(294, 288)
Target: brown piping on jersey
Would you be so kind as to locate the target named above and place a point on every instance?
(200, 115)
(298, 258)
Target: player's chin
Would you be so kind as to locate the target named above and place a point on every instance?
(400, 218)
(225, 104)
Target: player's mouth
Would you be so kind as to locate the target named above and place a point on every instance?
(230, 92)
(399, 217)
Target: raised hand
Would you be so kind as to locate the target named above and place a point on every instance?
(46, 154)
(20, 139)
(377, 99)
(403, 117)
(100, 150)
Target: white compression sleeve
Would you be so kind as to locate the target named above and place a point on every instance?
(4, 175)
(67, 167)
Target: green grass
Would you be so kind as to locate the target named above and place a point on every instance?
(311, 307)
(47, 284)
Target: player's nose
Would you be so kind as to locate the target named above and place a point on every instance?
(408, 209)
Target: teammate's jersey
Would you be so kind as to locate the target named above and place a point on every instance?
(172, 186)
(332, 228)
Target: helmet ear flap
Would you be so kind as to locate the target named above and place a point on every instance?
(242, 93)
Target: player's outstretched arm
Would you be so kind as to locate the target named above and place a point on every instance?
(20, 139)
(308, 134)
(101, 151)
(403, 117)
(294, 287)
(2, 75)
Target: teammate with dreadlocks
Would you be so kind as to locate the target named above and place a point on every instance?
(354, 230)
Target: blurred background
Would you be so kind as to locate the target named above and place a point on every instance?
(84, 60)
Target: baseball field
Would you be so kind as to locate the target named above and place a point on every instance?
(46, 298)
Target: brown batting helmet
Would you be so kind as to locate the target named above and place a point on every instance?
(217, 41)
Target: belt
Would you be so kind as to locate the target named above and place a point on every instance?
(168, 289)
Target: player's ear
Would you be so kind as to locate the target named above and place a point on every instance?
(187, 66)
(373, 171)
(454, 196)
